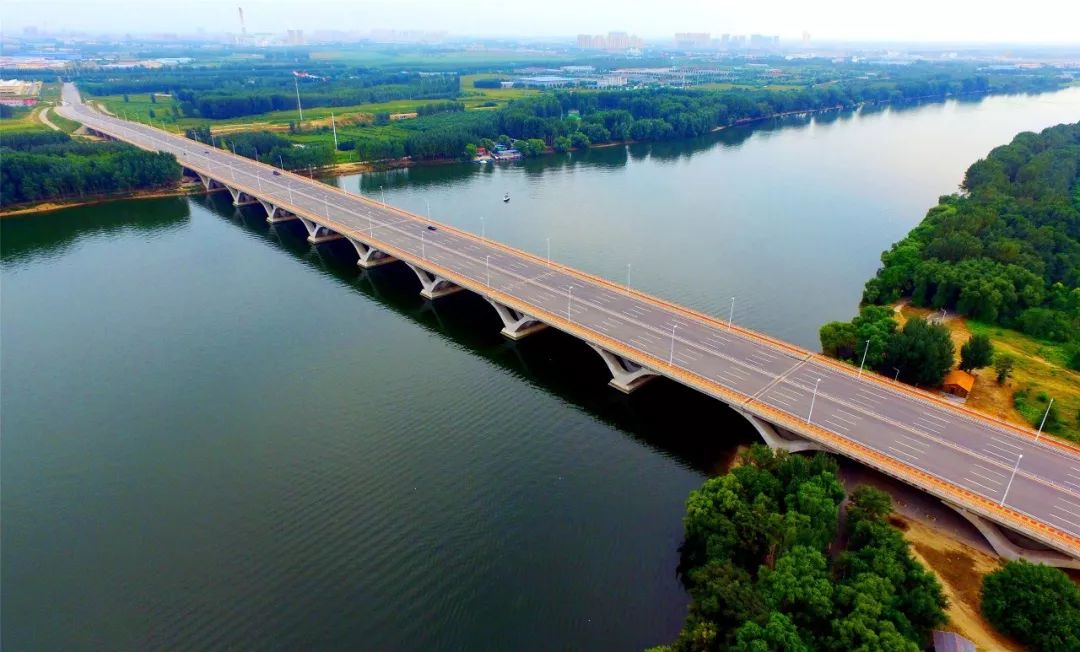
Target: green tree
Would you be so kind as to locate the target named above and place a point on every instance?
(778, 634)
(923, 352)
(562, 144)
(976, 353)
(838, 339)
(1036, 604)
(153, 98)
(1003, 367)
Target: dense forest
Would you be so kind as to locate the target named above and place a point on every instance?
(761, 563)
(49, 165)
(1007, 250)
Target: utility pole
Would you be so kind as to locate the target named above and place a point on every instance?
(1043, 422)
(812, 401)
(865, 351)
(333, 123)
(731, 314)
(296, 82)
(1011, 478)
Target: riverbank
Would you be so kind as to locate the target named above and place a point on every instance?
(181, 190)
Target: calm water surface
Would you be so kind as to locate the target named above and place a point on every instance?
(217, 436)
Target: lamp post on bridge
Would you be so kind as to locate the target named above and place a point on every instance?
(1011, 478)
(731, 313)
(569, 300)
(865, 351)
(483, 229)
(627, 279)
(548, 251)
(1043, 422)
(896, 378)
(813, 399)
(487, 269)
(428, 208)
(423, 249)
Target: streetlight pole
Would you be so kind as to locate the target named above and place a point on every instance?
(383, 191)
(812, 401)
(428, 208)
(896, 378)
(569, 299)
(326, 207)
(483, 229)
(671, 355)
(487, 269)
(627, 279)
(423, 249)
(1009, 486)
(865, 351)
(299, 108)
(548, 251)
(1043, 422)
(731, 313)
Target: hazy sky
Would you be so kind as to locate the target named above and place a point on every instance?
(1034, 21)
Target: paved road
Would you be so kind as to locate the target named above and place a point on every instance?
(955, 454)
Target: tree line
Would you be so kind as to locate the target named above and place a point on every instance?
(764, 569)
(43, 166)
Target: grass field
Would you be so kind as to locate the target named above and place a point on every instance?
(1040, 370)
(23, 120)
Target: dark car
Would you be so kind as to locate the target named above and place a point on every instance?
(431, 228)
(276, 173)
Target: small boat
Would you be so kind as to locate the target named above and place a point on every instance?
(506, 198)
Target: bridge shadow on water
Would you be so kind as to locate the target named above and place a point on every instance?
(699, 431)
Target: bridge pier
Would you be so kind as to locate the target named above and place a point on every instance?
(317, 233)
(626, 376)
(370, 256)
(777, 441)
(435, 286)
(207, 182)
(516, 325)
(1010, 545)
(275, 214)
(240, 198)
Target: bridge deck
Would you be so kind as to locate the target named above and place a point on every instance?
(961, 456)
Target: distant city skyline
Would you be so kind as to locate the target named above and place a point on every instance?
(961, 21)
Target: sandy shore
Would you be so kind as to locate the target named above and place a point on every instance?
(47, 207)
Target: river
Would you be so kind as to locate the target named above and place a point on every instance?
(215, 435)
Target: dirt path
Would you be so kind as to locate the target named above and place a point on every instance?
(43, 115)
(960, 568)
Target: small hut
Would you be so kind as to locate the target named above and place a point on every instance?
(958, 383)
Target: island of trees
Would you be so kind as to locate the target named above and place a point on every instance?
(52, 166)
(768, 568)
(1005, 251)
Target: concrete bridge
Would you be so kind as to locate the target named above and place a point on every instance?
(1020, 490)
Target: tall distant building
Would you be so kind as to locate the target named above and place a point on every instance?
(693, 40)
(613, 41)
(295, 37)
(806, 37)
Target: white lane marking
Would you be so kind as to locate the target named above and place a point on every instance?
(602, 327)
(863, 390)
(1066, 501)
(690, 353)
(641, 345)
(738, 373)
(983, 477)
(998, 473)
(780, 392)
(914, 443)
(730, 379)
(1003, 450)
(935, 417)
(836, 415)
(1007, 460)
(905, 454)
(1005, 443)
(681, 360)
(966, 479)
(865, 406)
(926, 425)
(1063, 519)
(770, 397)
(920, 451)
(835, 424)
(851, 415)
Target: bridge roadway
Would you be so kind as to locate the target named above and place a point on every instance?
(965, 458)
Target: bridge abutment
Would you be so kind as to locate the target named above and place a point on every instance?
(207, 182)
(317, 233)
(276, 214)
(370, 256)
(434, 286)
(626, 376)
(241, 198)
(516, 325)
(1013, 546)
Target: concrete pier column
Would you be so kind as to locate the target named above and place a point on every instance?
(207, 182)
(276, 214)
(626, 375)
(317, 233)
(240, 198)
(516, 325)
(369, 256)
(1011, 545)
(774, 438)
(434, 286)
